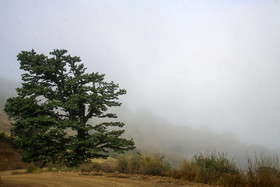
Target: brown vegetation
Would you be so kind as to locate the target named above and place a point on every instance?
(4, 122)
(213, 169)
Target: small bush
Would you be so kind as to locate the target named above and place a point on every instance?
(142, 164)
(263, 179)
(189, 171)
(129, 163)
(86, 167)
(63, 168)
(230, 179)
(263, 171)
(108, 165)
(50, 167)
(264, 176)
(152, 165)
(205, 168)
(5, 138)
(31, 168)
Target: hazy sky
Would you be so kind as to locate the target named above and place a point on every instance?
(196, 63)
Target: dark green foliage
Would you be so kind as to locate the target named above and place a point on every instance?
(56, 97)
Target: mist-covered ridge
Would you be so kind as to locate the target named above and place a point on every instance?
(154, 134)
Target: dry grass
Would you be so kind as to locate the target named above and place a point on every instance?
(211, 168)
(105, 165)
(32, 168)
(136, 163)
(5, 125)
(207, 168)
(263, 171)
(187, 171)
(215, 169)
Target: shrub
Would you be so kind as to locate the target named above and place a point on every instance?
(152, 165)
(213, 166)
(86, 167)
(108, 165)
(230, 179)
(129, 163)
(5, 138)
(263, 171)
(31, 168)
(263, 178)
(189, 171)
(50, 167)
(142, 164)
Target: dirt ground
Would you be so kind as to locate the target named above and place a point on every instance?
(22, 179)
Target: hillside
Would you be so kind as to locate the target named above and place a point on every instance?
(153, 134)
(4, 122)
(10, 157)
(7, 90)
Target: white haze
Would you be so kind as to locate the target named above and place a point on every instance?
(213, 64)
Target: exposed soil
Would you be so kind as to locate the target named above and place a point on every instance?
(9, 178)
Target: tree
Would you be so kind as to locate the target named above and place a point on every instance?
(53, 108)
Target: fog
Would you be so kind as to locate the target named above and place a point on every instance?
(153, 134)
(211, 66)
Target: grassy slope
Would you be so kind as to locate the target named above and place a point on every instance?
(4, 123)
(9, 156)
(7, 90)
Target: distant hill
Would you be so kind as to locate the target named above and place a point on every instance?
(153, 134)
(7, 90)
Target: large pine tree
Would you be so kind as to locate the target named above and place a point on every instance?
(54, 105)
